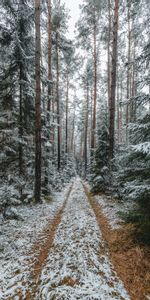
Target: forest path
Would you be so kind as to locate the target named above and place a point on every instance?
(77, 265)
(71, 257)
(42, 249)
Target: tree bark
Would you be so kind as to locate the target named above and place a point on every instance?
(49, 103)
(49, 56)
(93, 138)
(58, 104)
(72, 136)
(113, 82)
(37, 104)
(133, 92)
(108, 53)
(66, 125)
(128, 72)
(20, 124)
(86, 126)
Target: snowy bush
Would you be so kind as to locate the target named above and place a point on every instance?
(100, 171)
(133, 169)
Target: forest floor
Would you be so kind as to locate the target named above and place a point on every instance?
(69, 249)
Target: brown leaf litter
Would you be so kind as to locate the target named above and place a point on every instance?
(131, 260)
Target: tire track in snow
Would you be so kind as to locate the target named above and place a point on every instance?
(74, 270)
(41, 250)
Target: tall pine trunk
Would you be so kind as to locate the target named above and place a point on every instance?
(72, 147)
(58, 104)
(66, 125)
(93, 137)
(86, 127)
(49, 56)
(113, 82)
(128, 72)
(37, 104)
(108, 54)
(49, 105)
(133, 92)
(20, 123)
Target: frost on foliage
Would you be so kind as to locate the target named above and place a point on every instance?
(12, 213)
(112, 209)
(133, 164)
(76, 267)
(8, 195)
(142, 148)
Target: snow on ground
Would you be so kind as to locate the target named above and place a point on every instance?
(16, 240)
(78, 266)
(112, 208)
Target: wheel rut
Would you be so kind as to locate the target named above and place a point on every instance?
(71, 258)
(78, 266)
(42, 248)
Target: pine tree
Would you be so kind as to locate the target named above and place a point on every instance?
(16, 93)
(100, 169)
(134, 169)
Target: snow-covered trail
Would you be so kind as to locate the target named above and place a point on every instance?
(69, 259)
(26, 245)
(78, 266)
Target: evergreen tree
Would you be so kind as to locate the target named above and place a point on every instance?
(133, 169)
(16, 91)
(100, 168)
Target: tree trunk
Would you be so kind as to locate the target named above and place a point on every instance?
(20, 124)
(118, 111)
(108, 53)
(37, 104)
(66, 125)
(113, 82)
(49, 106)
(93, 139)
(49, 56)
(72, 136)
(58, 104)
(133, 93)
(86, 127)
(121, 111)
(128, 72)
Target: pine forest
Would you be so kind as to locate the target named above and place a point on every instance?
(75, 150)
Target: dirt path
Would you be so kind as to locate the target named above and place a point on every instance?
(43, 249)
(39, 252)
(78, 266)
(72, 261)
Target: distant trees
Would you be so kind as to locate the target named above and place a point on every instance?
(87, 34)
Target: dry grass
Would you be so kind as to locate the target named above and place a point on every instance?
(130, 260)
(66, 281)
